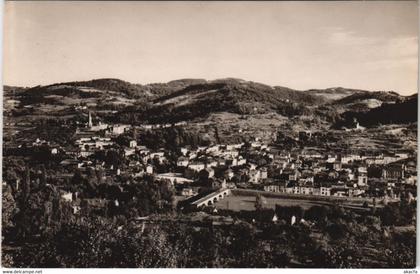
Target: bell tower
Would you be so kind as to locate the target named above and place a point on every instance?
(90, 124)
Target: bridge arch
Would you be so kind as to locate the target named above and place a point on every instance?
(212, 198)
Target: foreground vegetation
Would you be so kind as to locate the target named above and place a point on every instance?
(49, 235)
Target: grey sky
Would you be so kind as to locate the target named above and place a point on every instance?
(302, 45)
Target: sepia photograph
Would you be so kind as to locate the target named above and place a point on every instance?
(209, 134)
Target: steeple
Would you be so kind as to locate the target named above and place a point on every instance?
(90, 120)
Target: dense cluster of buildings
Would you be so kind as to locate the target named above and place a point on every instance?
(251, 165)
(259, 166)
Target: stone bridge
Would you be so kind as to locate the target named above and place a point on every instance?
(212, 198)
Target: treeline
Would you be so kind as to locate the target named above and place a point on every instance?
(149, 91)
(33, 207)
(132, 90)
(172, 138)
(342, 240)
(39, 94)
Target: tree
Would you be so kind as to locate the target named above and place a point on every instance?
(97, 242)
(8, 209)
(114, 158)
(100, 175)
(317, 213)
(403, 250)
(43, 180)
(390, 215)
(26, 187)
(337, 231)
(287, 212)
(259, 202)
(22, 219)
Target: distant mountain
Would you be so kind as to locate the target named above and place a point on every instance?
(94, 88)
(362, 101)
(136, 90)
(187, 99)
(61, 94)
(342, 100)
(360, 96)
(298, 96)
(332, 94)
(402, 112)
(109, 84)
(13, 90)
(231, 95)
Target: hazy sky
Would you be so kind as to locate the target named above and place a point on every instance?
(302, 45)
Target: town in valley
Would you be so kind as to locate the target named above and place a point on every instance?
(198, 173)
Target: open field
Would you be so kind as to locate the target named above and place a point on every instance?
(238, 203)
(245, 200)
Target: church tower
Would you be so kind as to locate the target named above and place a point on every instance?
(90, 124)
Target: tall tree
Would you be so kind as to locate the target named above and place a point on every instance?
(8, 208)
(259, 202)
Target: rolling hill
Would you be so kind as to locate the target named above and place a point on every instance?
(364, 100)
(231, 95)
(333, 94)
(188, 99)
(401, 112)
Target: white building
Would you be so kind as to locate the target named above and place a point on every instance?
(68, 196)
(184, 151)
(197, 166)
(362, 176)
(118, 129)
(325, 191)
(149, 169)
(182, 161)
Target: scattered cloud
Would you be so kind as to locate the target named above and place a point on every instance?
(375, 51)
(340, 36)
